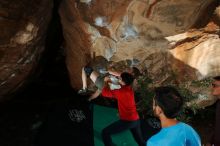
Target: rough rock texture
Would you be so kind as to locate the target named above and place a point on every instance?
(198, 49)
(176, 41)
(77, 41)
(23, 30)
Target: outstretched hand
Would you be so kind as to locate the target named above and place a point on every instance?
(94, 95)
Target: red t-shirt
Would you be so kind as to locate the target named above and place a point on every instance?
(126, 102)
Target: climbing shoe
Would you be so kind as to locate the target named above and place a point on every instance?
(83, 91)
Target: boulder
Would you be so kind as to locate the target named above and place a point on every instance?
(22, 38)
(175, 41)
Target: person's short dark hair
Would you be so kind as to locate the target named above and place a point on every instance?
(136, 72)
(169, 100)
(127, 78)
(217, 78)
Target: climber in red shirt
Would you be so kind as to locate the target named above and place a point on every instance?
(129, 118)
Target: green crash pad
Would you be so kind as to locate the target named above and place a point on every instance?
(104, 116)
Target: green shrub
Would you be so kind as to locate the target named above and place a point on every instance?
(145, 93)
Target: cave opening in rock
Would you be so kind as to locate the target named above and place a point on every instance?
(44, 46)
(50, 79)
(33, 114)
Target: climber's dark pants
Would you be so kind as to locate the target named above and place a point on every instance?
(88, 70)
(120, 126)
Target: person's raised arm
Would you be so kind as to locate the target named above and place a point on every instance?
(94, 95)
(115, 73)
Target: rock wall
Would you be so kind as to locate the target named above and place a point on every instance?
(77, 41)
(176, 41)
(23, 30)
